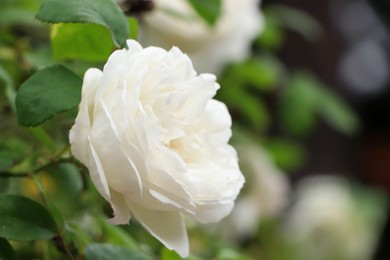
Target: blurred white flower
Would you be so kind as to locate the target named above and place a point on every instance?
(155, 142)
(328, 222)
(265, 196)
(175, 23)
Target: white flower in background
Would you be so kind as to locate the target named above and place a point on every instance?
(155, 142)
(175, 23)
(328, 222)
(266, 193)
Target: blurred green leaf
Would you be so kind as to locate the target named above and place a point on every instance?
(103, 12)
(41, 57)
(209, 10)
(6, 250)
(133, 24)
(5, 184)
(6, 157)
(89, 42)
(305, 98)
(272, 36)
(262, 72)
(117, 236)
(249, 106)
(109, 252)
(43, 137)
(298, 21)
(167, 254)
(48, 92)
(9, 16)
(24, 219)
(230, 254)
(286, 154)
(69, 179)
(9, 86)
(299, 104)
(337, 113)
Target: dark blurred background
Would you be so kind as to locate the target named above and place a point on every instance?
(353, 58)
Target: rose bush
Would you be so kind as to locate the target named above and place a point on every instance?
(156, 143)
(175, 23)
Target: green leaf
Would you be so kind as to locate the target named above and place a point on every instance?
(6, 250)
(103, 12)
(48, 92)
(116, 235)
(24, 219)
(6, 157)
(209, 10)
(167, 254)
(262, 73)
(230, 254)
(133, 24)
(337, 113)
(273, 36)
(306, 98)
(9, 86)
(88, 42)
(250, 107)
(286, 154)
(108, 252)
(69, 178)
(299, 104)
(298, 21)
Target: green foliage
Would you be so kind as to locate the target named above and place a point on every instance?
(48, 92)
(337, 113)
(24, 219)
(288, 155)
(69, 179)
(6, 250)
(305, 97)
(109, 252)
(102, 12)
(273, 35)
(242, 86)
(89, 42)
(209, 10)
(298, 21)
(230, 254)
(117, 236)
(167, 254)
(9, 86)
(6, 157)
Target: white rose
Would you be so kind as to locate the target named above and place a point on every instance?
(328, 222)
(155, 142)
(175, 23)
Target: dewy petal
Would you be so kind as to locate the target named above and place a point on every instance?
(121, 211)
(78, 135)
(167, 226)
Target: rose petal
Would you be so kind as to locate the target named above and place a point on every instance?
(121, 172)
(78, 135)
(167, 226)
(96, 171)
(212, 212)
(121, 211)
